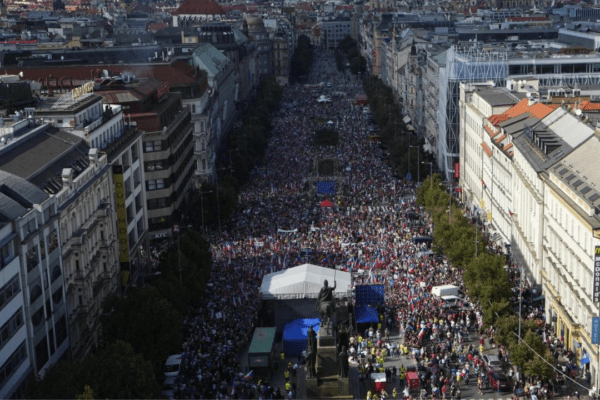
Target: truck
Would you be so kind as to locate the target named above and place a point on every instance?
(445, 290)
(262, 352)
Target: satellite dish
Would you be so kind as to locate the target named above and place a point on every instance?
(578, 112)
(21, 74)
(528, 95)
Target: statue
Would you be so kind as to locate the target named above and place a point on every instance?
(311, 358)
(311, 341)
(343, 363)
(325, 302)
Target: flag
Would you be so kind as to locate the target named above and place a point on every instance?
(483, 184)
(326, 187)
(510, 212)
(248, 376)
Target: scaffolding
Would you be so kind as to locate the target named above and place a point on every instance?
(468, 65)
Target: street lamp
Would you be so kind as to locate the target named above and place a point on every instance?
(418, 163)
(430, 172)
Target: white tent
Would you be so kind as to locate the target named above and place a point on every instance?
(304, 282)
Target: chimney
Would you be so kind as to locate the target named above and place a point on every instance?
(93, 154)
(67, 177)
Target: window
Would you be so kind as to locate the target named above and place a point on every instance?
(7, 253)
(34, 293)
(41, 353)
(153, 204)
(11, 326)
(9, 290)
(154, 165)
(153, 146)
(32, 257)
(155, 184)
(61, 330)
(52, 240)
(12, 363)
(58, 295)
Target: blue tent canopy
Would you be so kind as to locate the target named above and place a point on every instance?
(366, 314)
(295, 334)
(370, 294)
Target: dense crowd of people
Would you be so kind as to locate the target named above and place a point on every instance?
(368, 230)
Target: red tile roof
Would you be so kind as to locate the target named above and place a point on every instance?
(490, 131)
(305, 6)
(487, 149)
(501, 138)
(585, 105)
(176, 73)
(508, 146)
(537, 110)
(199, 7)
(156, 26)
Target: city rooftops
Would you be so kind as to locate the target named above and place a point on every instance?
(67, 104)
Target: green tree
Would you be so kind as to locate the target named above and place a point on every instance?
(62, 381)
(541, 366)
(117, 372)
(524, 355)
(508, 327)
(195, 271)
(88, 394)
(114, 372)
(146, 320)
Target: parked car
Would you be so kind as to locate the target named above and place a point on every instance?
(492, 361)
(499, 379)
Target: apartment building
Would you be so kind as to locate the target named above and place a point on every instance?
(87, 220)
(571, 226)
(32, 290)
(168, 152)
(529, 170)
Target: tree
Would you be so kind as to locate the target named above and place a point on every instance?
(117, 372)
(147, 321)
(508, 327)
(62, 381)
(524, 355)
(195, 271)
(88, 394)
(114, 372)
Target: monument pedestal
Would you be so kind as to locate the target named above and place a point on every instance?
(327, 384)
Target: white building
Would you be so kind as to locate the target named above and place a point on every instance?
(32, 284)
(571, 232)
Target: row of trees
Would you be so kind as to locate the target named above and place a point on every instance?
(245, 149)
(486, 279)
(347, 52)
(139, 332)
(302, 59)
(394, 132)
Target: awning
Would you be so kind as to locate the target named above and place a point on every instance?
(326, 203)
(496, 237)
(539, 298)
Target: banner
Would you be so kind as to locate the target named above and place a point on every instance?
(595, 330)
(596, 295)
(121, 223)
(284, 231)
(456, 170)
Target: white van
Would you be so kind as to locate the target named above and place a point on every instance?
(450, 301)
(444, 290)
(173, 365)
